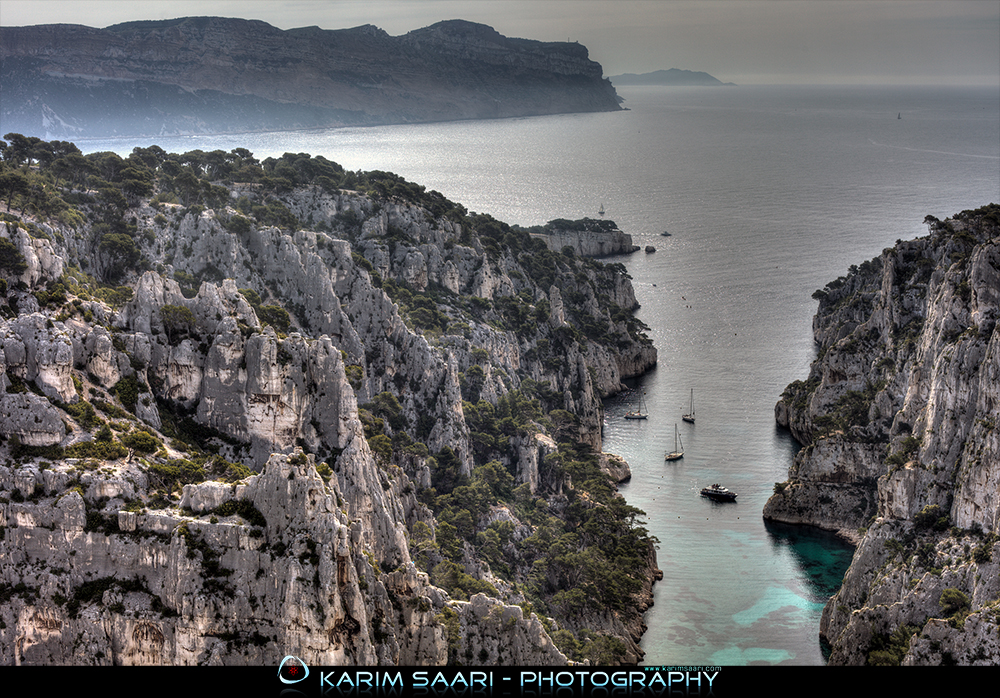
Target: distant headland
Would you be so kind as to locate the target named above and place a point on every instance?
(223, 75)
(673, 76)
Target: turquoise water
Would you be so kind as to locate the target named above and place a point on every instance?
(768, 193)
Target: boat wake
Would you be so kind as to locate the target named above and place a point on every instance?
(936, 152)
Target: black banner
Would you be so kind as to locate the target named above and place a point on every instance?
(295, 679)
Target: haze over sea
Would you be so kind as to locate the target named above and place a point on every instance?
(769, 192)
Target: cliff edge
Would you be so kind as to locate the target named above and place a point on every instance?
(901, 454)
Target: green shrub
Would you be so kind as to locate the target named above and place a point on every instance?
(142, 441)
(19, 451)
(381, 445)
(932, 516)
(275, 316)
(953, 601)
(127, 390)
(178, 470)
(889, 650)
(355, 375)
(178, 321)
(84, 414)
(459, 585)
(101, 450)
(11, 260)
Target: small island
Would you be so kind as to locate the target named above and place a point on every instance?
(673, 77)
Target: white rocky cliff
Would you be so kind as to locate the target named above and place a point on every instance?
(902, 448)
(272, 408)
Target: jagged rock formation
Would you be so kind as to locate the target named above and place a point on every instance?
(343, 419)
(213, 74)
(902, 447)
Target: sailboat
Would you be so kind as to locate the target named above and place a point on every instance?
(601, 212)
(689, 417)
(678, 451)
(641, 413)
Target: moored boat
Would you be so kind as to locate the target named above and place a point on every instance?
(718, 493)
(678, 451)
(640, 413)
(689, 417)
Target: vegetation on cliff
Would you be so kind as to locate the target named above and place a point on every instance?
(173, 319)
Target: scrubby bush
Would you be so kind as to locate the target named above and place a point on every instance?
(954, 603)
(178, 321)
(141, 441)
(932, 516)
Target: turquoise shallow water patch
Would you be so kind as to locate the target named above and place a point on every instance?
(736, 656)
(775, 598)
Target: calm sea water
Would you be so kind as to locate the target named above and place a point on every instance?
(768, 193)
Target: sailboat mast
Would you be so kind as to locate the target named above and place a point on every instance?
(689, 417)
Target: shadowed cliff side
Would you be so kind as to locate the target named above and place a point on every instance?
(221, 75)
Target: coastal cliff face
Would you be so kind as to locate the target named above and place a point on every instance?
(288, 409)
(588, 237)
(220, 75)
(902, 448)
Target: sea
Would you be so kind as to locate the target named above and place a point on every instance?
(753, 197)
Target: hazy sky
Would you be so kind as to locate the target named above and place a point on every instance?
(742, 41)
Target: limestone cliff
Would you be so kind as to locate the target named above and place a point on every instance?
(902, 448)
(589, 237)
(220, 75)
(272, 408)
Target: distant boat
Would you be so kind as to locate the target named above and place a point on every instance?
(718, 493)
(665, 234)
(641, 413)
(689, 417)
(899, 115)
(678, 451)
(601, 212)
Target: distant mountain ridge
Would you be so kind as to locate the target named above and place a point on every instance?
(216, 75)
(673, 76)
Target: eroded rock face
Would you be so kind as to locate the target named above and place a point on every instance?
(182, 575)
(903, 450)
(591, 243)
(32, 419)
(36, 350)
(337, 382)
